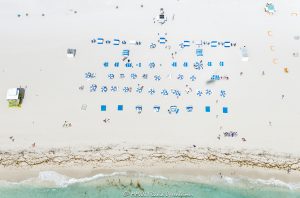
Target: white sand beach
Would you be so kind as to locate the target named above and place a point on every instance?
(262, 96)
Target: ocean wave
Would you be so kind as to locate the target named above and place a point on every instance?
(55, 179)
(63, 181)
(275, 183)
(158, 177)
(246, 182)
(272, 182)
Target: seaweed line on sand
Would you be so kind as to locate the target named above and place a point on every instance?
(141, 155)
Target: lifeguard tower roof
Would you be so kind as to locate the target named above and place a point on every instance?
(12, 94)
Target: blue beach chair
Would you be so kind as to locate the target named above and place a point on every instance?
(173, 109)
(139, 108)
(125, 53)
(207, 109)
(103, 107)
(189, 108)
(120, 108)
(116, 42)
(186, 43)
(156, 108)
(225, 109)
(100, 41)
(117, 64)
(128, 65)
(227, 44)
(162, 40)
(106, 64)
(122, 76)
(215, 77)
(214, 43)
(199, 52)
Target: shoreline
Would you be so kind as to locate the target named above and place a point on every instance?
(206, 174)
(185, 164)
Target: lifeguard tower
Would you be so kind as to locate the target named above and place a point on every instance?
(13, 97)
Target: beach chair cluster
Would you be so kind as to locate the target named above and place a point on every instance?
(172, 109)
(214, 44)
(115, 42)
(71, 53)
(185, 43)
(230, 134)
(218, 77)
(198, 65)
(162, 40)
(93, 88)
(90, 75)
(199, 45)
(146, 76)
(158, 77)
(140, 89)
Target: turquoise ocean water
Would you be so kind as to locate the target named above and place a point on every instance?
(53, 185)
